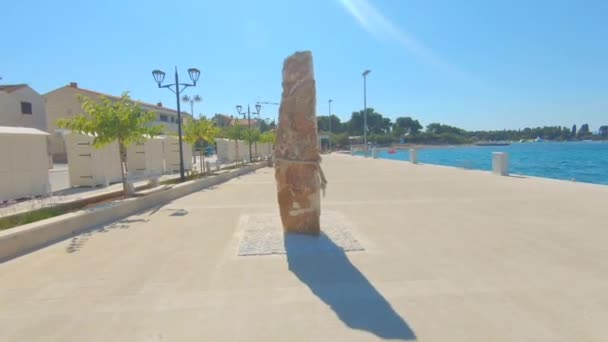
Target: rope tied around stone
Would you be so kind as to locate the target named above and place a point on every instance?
(316, 163)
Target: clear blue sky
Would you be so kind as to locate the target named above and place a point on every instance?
(476, 64)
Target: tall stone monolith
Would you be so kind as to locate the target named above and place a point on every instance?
(297, 170)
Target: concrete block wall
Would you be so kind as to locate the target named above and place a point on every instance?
(171, 153)
(226, 150)
(264, 149)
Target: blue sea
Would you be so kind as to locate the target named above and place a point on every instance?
(581, 161)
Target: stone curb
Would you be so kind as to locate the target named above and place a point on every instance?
(30, 237)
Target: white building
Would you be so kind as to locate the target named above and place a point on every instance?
(22, 106)
(63, 103)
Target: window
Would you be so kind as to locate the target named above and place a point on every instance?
(164, 118)
(172, 119)
(26, 108)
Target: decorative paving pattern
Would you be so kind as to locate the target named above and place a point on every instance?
(262, 234)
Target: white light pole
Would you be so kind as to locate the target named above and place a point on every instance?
(329, 116)
(365, 73)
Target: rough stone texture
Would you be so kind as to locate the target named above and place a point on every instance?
(298, 184)
(261, 234)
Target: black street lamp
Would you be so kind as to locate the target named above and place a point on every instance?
(159, 77)
(258, 107)
(192, 100)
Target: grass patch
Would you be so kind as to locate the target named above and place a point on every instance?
(12, 221)
(29, 217)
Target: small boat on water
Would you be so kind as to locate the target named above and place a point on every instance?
(539, 139)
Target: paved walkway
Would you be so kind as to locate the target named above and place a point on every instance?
(449, 255)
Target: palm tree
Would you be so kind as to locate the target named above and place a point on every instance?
(191, 100)
(269, 137)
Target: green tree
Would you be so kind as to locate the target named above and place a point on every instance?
(252, 136)
(268, 137)
(340, 140)
(264, 125)
(437, 128)
(198, 132)
(406, 125)
(376, 123)
(584, 131)
(323, 123)
(122, 120)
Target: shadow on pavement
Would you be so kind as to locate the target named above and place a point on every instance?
(323, 266)
(78, 241)
(173, 212)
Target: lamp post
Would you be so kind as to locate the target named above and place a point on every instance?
(236, 139)
(276, 118)
(329, 102)
(191, 100)
(159, 77)
(239, 108)
(365, 73)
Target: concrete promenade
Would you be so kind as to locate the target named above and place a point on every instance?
(449, 255)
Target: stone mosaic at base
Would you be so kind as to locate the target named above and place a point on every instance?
(262, 234)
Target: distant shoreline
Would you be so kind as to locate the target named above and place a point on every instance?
(578, 161)
(436, 146)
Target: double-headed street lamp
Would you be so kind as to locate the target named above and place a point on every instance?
(159, 77)
(192, 100)
(365, 73)
(239, 109)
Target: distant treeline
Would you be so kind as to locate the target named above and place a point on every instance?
(382, 130)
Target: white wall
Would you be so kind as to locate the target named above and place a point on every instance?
(171, 153)
(91, 166)
(10, 109)
(226, 150)
(146, 158)
(264, 149)
(23, 165)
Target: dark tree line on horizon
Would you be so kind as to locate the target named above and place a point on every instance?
(382, 130)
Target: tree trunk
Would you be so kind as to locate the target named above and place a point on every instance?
(202, 155)
(236, 153)
(123, 165)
